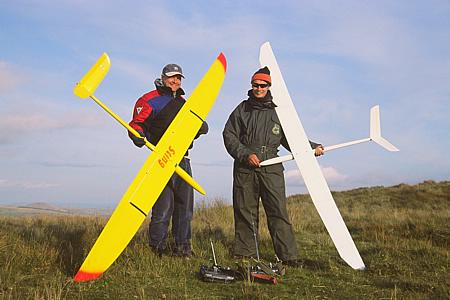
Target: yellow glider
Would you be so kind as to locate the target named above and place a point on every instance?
(86, 88)
(154, 174)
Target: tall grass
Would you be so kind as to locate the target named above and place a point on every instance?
(402, 233)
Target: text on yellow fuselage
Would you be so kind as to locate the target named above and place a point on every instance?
(166, 157)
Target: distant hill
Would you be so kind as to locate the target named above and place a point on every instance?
(44, 206)
(428, 194)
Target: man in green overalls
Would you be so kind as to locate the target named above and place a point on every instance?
(253, 134)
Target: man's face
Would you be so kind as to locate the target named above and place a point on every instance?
(173, 82)
(260, 88)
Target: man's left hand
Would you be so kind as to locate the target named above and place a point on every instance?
(319, 150)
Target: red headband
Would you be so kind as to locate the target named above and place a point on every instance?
(263, 77)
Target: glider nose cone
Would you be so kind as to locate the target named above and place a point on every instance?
(85, 276)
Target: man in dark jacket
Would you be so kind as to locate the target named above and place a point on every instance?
(252, 134)
(152, 115)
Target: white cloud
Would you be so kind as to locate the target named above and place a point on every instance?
(332, 175)
(13, 126)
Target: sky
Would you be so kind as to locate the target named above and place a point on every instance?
(338, 58)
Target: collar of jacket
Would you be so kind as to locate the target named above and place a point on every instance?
(164, 90)
(258, 103)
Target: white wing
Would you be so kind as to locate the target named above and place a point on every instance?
(307, 163)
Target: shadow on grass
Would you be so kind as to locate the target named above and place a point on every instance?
(66, 239)
(213, 233)
(69, 244)
(314, 265)
(216, 234)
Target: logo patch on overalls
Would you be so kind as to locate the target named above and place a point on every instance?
(276, 129)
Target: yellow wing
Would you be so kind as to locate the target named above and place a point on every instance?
(153, 176)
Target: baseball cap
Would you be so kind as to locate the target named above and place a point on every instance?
(171, 70)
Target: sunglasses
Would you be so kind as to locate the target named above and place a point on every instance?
(260, 85)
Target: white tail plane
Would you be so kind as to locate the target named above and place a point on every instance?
(375, 130)
(375, 135)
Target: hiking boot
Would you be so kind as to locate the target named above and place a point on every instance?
(158, 251)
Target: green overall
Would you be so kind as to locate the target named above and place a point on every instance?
(254, 127)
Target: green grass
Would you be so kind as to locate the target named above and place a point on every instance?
(402, 233)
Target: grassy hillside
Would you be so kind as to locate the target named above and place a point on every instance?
(402, 233)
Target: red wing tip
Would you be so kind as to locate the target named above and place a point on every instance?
(85, 276)
(223, 61)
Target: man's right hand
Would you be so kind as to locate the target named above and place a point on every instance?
(253, 160)
(138, 141)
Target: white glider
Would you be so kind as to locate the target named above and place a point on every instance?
(308, 165)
